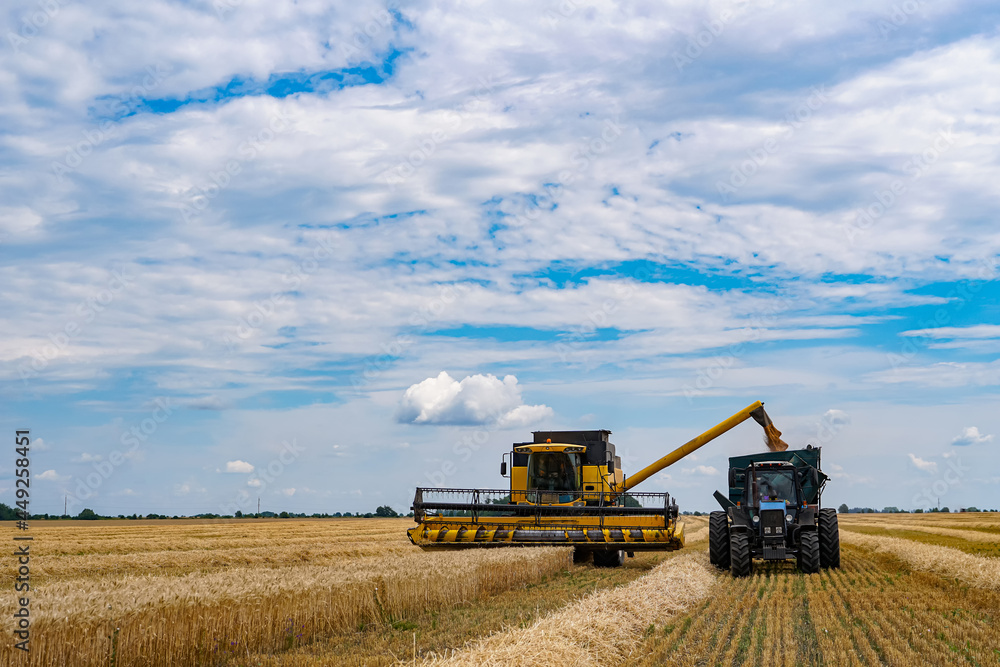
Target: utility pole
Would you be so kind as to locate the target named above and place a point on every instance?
(258, 505)
(65, 500)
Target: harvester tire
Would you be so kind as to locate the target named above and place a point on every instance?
(718, 540)
(741, 564)
(829, 538)
(609, 558)
(809, 552)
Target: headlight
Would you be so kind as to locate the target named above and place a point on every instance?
(788, 518)
(756, 519)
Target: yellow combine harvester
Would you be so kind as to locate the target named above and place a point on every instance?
(567, 488)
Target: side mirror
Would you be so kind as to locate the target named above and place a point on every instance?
(503, 469)
(732, 477)
(611, 466)
(814, 477)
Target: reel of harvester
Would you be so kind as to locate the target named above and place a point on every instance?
(462, 518)
(566, 489)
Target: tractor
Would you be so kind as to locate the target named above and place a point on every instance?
(772, 513)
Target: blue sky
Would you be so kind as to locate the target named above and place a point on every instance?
(320, 255)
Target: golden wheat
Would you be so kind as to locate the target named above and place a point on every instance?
(602, 628)
(974, 570)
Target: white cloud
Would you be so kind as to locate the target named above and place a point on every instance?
(970, 435)
(288, 492)
(477, 399)
(52, 476)
(255, 483)
(701, 470)
(926, 466)
(835, 417)
(88, 458)
(239, 466)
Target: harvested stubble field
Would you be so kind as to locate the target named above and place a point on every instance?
(354, 591)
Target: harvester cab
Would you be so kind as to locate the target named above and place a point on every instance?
(773, 513)
(566, 488)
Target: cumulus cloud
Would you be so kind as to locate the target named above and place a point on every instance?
(970, 435)
(920, 464)
(477, 399)
(52, 476)
(239, 466)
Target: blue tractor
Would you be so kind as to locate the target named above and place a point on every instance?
(773, 513)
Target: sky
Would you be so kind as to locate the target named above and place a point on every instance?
(319, 254)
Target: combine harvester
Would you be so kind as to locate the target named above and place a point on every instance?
(567, 488)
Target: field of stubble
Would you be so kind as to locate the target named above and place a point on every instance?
(913, 589)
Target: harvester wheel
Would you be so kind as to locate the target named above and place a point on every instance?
(829, 538)
(741, 565)
(809, 552)
(718, 540)
(609, 558)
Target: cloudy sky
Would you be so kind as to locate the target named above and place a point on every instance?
(321, 253)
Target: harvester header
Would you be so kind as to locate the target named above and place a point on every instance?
(567, 488)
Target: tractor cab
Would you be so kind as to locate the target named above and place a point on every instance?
(773, 482)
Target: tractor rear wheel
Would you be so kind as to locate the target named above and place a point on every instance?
(741, 565)
(718, 540)
(809, 552)
(829, 538)
(609, 558)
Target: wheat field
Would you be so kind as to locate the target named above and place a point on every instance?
(286, 593)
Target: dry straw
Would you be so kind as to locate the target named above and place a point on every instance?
(603, 628)
(978, 571)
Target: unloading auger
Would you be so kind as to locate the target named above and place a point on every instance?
(567, 488)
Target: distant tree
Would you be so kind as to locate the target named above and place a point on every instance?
(843, 509)
(972, 509)
(239, 514)
(283, 515)
(386, 511)
(918, 511)
(945, 510)
(348, 514)
(8, 513)
(88, 514)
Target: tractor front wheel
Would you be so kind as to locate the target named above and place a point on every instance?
(809, 552)
(829, 538)
(718, 540)
(741, 564)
